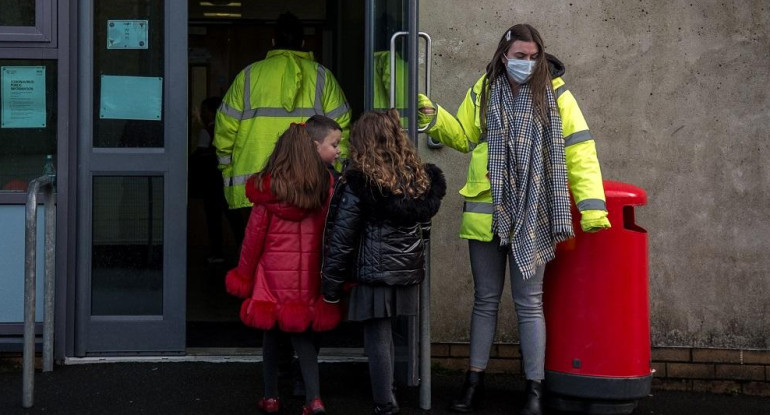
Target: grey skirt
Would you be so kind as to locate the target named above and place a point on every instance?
(381, 301)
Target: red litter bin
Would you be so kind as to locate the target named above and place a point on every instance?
(597, 313)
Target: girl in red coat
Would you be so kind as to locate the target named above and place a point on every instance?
(279, 270)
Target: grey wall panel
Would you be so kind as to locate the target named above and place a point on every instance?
(676, 95)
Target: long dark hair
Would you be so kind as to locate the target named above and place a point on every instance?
(297, 173)
(538, 82)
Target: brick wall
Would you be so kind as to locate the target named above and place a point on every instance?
(687, 369)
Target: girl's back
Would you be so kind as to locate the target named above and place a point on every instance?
(381, 210)
(291, 256)
(392, 228)
(278, 274)
(376, 234)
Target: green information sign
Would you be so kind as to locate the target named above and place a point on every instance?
(23, 92)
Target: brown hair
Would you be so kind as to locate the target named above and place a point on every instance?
(297, 174)
(538, 82)
(319, 126)
(381, 150)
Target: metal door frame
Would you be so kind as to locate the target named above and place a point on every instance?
(49, 40)
(411, 375)
(136, 334)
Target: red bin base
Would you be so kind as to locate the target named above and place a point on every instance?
(597, 313)
(595, 395)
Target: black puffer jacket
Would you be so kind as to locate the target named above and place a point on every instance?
(376, 237)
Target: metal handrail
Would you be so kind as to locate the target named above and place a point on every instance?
(45, 184)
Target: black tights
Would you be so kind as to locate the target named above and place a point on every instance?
(308, 362)
(378, 343)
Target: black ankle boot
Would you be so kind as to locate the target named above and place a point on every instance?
(471, 394)
(383, 409)
(533, 406)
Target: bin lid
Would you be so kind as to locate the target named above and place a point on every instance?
(624, 193)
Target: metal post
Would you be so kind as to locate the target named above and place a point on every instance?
(30, 238)
(30, 262)
(48, 287)
(425, 375)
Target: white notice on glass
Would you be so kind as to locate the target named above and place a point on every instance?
(127, 34)
(23, 91)
(131, 97)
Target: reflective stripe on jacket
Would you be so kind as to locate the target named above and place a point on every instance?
(463, 133)
(287, 86)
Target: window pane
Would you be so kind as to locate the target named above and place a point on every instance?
(390, 16)
(17, 12)
(127, 251)
(138, 61)
(28, 129)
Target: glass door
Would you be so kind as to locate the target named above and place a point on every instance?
(391, 66)
(132, 177)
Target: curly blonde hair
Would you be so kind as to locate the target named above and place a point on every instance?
(381, 150)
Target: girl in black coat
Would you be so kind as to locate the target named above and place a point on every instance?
(375, 236)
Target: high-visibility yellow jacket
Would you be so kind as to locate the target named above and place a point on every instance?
(463, 133)
(287, 86)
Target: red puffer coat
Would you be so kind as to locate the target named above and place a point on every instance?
(279, 273)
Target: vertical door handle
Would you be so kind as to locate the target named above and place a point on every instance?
(433, 144)
(428, 54)
(392, 91)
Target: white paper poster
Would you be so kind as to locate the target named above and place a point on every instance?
(131, 97)
(23, 91)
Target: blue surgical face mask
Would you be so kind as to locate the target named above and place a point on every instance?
(520, 70)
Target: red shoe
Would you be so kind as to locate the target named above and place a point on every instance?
(316, 407)
(269, 405)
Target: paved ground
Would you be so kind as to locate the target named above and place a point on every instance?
(233, 388)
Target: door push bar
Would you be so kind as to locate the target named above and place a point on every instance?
(428, 49)
(428, 54)
(44, 184)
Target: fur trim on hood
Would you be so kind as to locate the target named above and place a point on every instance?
(384, 205)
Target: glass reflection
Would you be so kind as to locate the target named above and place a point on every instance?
(17, 13)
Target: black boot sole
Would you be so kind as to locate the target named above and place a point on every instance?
(461, 409)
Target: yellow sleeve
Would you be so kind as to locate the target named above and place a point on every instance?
(583, 171)
(228, 121)
(462, 132)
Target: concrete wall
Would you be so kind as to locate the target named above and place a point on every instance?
(676, 94)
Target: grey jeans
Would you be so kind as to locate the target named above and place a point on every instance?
(488, 268)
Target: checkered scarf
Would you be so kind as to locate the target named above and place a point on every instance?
(528, 175)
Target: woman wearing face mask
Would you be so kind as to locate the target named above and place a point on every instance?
(528, 140)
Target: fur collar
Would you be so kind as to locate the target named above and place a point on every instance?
(384, 205)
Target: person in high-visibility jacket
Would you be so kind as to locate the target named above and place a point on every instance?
(264, 99)
(529, 144)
